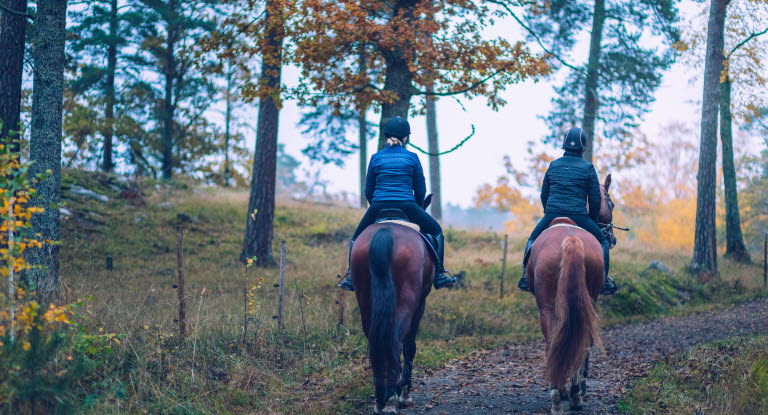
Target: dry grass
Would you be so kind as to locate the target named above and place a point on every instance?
(319, 370)
(727, 377)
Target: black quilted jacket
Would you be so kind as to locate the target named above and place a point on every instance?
(569, 183)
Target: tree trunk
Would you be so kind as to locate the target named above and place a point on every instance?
(227, 121)
(434, 159)
(259, 227)
(362, 130)
(735, 248)
(705, 241)
(399, 80)
(109, 112)
(12, 32)
(169, 107)
(591, 101)
(45, 144)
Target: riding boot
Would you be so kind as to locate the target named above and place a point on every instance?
(523, 284)
(609, 286)
(441, 280)
(346, 282)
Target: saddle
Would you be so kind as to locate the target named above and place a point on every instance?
(560, 221)
(399, 217)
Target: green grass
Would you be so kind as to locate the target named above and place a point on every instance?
(725, 377)
(320, 369)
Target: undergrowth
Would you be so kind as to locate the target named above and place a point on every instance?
(316, 365)
(725, 377)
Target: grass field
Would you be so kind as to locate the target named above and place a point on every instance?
(314, 366)
(726, 377)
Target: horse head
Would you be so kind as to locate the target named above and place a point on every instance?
(605, 218)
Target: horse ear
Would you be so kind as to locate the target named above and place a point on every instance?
(607, 183)
(427, 201)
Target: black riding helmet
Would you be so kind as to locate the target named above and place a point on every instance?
(397, 127)
(575, 140)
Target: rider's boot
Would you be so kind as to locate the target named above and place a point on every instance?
(609, 287)
(523, 284)
(441, 280)
(346, 282)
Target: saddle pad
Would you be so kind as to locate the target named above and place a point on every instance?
(413, 226)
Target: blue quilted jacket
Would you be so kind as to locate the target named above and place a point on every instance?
(395, 174)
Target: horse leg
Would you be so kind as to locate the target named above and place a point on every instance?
(577, 395)
(557, 399)
(409, 352)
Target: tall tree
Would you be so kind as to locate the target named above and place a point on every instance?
(741, 93)
(625, 63)
(261, 202)
(362, 130)
(100, 32)
(457, 61)
(169, 32)
(13, 23)
(434, 157)
(704, 260)
(45, 141)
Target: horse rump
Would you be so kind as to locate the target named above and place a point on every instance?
(575, 325)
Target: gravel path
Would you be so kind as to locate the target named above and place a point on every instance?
(509, 379)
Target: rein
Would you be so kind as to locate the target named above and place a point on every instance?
(609, 226)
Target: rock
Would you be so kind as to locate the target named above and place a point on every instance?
(164, 205)
(83, 192)
(65, 212)
(140, 217)
(659, 266)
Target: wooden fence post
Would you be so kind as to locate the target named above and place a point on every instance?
(503, 267)
(280, 325)
(180, 268)
(765, 261)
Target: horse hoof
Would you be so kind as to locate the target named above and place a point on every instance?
(577, 403)
(405, 401)
(389, 409)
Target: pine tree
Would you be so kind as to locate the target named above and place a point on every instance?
(624, 67)
(168, 32)
(45, 142)
(13, 24)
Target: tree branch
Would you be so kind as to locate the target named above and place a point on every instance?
(535, 35)
(7, 9)
(417, 91)
(743, 42)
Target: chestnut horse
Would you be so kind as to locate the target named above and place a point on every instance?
(567, 274)
(392, 272)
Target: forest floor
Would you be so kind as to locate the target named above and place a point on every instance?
(508, 379)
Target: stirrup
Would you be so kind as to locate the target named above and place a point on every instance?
(444, 281)
(346, 283)
(609, 287)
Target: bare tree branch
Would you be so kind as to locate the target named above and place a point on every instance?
(743, 42)
(535, 35)
(7, 9)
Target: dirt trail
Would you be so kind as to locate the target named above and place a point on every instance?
(509, 379)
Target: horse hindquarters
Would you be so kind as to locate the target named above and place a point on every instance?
(384, 347)
(574, 327)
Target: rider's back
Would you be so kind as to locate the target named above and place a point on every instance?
(395, 175)
(568, 183)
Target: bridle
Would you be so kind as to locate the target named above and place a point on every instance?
(607, 228)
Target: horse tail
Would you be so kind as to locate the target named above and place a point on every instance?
(384, 350)
(575, 324)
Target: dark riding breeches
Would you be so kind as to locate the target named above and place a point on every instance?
(414, 212)
(582, 221)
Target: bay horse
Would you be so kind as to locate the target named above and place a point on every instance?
(567, 274)
(392, 272)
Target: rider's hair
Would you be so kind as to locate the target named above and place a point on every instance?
(393, 141)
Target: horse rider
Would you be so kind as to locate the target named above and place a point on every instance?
(569, 183)
(395, 180)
